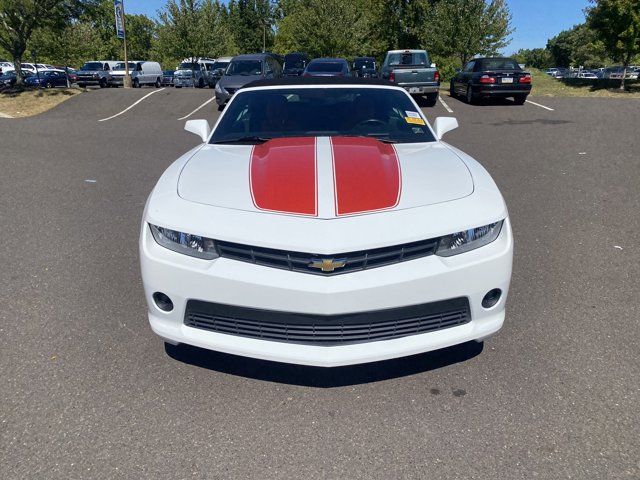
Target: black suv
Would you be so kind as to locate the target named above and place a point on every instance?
(495, 77)
(294, 64)
(365, 67)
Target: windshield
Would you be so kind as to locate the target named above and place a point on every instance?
(217, 65)
(244, 67)
(294, 63)
(189, 66)
(89, 66)
(385, 114)
(121, 66)
(500, 64)
(332, 67)
(408, 58)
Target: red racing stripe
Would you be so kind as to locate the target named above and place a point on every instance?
(366, 173)
(282, 176)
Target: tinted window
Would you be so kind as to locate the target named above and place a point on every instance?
(331, 67)
(188, 66)
(500, 64)
(419, 58)
(365, 63)
(294, 62)
(121, 66)
(217, 65)
(385, 114)
(245, 67)
(469, 67)
(90, 66)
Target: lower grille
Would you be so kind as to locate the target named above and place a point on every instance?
(327, 330)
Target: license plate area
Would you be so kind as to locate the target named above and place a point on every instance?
(507, 80)
(414, 90)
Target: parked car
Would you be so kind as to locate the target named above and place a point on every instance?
(365, 67)
(6, 67)
(96, 72)
(10, 78)
(412, 70)
(47, 79)
(194, 72)
(585, 74)
(243, 70)
(615, 73)
(141, 72)
(327, 67)
(493, 77)
(355, 233)
(168, 78)
(294, 64)
(218, 69)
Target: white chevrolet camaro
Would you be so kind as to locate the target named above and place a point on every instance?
(325, 223)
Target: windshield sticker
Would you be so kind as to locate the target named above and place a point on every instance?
(412, 114)
(415, 121)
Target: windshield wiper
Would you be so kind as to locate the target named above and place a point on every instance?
(251, 139)
(382, 138)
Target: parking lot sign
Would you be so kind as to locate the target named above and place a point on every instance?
(119, 18)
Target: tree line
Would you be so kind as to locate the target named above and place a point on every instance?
(610, 34)
(71, 32)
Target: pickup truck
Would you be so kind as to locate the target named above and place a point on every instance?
(412, 70)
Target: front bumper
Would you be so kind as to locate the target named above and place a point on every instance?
(223, 98)
(184, 82)
(230, 282)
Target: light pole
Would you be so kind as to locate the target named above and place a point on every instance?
(122, 33)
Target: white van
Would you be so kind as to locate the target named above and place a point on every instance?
(142, 73)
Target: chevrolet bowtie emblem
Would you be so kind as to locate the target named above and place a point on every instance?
(328, 264)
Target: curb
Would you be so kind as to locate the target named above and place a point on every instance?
(4, 115)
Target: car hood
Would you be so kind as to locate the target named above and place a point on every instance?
(238, 81)
(324, 177)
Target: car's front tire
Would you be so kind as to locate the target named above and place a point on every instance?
(103, 82)
(452, 89)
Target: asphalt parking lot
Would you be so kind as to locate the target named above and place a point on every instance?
(89, 391)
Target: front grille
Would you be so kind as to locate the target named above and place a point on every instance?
(303, 262)
(327, 330)
(231, 91)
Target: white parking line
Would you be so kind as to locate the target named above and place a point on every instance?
(204, 104)
(538, 105)
(447, 108)
(131, 106)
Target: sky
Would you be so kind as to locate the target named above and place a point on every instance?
(535, 21)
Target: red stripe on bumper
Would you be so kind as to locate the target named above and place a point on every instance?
(367, 175)
(282, 175)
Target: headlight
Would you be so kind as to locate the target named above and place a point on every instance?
(220, 89)
(192, 245)
(468, 240)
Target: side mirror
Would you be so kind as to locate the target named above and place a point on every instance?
(443, 125)
(458, 70)
(200, 128)
(433, 65)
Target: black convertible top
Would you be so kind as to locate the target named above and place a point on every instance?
(291, 81)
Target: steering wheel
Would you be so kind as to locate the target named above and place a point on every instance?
(372, 122)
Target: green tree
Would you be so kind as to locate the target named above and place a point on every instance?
(19, 19)
(465, 28)
(536, 57)
(577, 46)
(324, 28)
(251, 24)
(617, 24)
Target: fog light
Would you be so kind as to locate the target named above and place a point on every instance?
(491, 298)
(164, 303)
